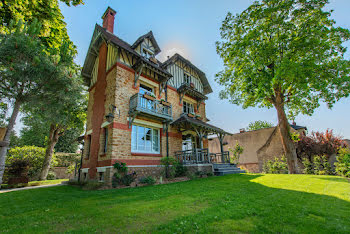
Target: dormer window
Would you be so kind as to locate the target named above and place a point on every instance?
(147, 53)
(187, 78)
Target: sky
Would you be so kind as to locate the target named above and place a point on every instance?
(191, 28)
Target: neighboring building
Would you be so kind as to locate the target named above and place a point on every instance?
(140, 109)
(258, 146)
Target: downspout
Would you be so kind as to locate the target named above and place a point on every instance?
(81, 161)
(167, 129)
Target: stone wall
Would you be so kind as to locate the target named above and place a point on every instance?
(61, 173)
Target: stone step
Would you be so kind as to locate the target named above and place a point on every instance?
(220, 173)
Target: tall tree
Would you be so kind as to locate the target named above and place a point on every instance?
(25, 70)
(47, 12)
(64, 107)
(284, 54)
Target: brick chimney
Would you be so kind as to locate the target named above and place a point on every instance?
(108, 19)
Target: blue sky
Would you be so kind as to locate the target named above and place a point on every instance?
(191, 28)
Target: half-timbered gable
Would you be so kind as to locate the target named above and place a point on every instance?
(184, 72)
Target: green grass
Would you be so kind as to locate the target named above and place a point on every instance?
(46, 182)
(246, 203)
(35, 183)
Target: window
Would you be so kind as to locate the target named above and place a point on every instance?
(145, 89)
(88, 147)
(105, 139)
(101, 176)
(187, 78)
(188, 108)
(144, 139)
(146, 53)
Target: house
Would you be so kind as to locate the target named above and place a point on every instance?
(141, 109)
(258, 146)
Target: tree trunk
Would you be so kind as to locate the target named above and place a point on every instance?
(53, 138)
(288, 144)
(3, 150)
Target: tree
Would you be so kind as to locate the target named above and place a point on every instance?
(25, 71)
(287, 55)
(259, 124)
(63, 108)
(318, 143)
(36, 133)
(53, 30)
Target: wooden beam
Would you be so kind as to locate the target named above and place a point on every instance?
(138, 73)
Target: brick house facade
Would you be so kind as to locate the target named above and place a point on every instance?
(137, 104)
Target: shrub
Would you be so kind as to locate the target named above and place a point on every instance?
(169, 169)
(236, 153)
(51, 175)
(308, 167)
(149, 180)
(121, 167)
(180, 169)
(34, 155)
(321, 165)
(93, 185)
(276, 166)
(342, 166)
(210, 174)
(127, 179)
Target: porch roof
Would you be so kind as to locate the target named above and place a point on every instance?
(187, 123)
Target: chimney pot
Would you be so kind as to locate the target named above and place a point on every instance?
(108, 19)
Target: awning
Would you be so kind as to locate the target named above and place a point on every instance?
(185, 123)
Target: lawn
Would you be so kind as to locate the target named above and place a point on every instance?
(37, 183)
(247, 203)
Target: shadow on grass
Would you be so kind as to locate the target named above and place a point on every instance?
(218, 204)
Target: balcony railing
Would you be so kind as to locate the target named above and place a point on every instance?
(155, 108)
(220, 158)
(201, 156)
(195, 156)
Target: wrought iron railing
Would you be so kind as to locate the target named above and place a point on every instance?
(194, 156)
(152, 107)
(220, 158)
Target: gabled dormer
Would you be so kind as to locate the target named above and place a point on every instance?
(146, 45)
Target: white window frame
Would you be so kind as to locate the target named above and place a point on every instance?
(152, 137)
(186, 105)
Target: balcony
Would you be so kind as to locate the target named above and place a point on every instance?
(139, 105)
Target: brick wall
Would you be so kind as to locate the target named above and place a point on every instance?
(119, 89)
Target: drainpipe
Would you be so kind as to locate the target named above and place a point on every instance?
(81, 161)
(167, 130)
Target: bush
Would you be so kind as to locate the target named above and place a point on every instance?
(322, 166)
(34, 155)
(51, 175)
(17, 172)
(342, 166)
(127, 179)
(149, 180)
(308, 167)
(210, 174)
(93, 185)
(276, 166)
(180, 169)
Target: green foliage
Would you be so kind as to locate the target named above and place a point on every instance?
(149, 180)
(173, 167)
(66, 159)
(18, 167)
(121, 167)
(259, 124)
(321, 165)
(308, 166)
(276, 166)
(53, 31)
(295, 136)
(34, 155)
(127, 179)
(270, 49)
(51, 176)
(209, 174)
(342, 166)
(3, 111)
(236, 153)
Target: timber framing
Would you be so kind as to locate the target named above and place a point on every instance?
(188, 90)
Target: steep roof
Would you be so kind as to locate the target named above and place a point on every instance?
(150, 36)
(297, 127)
(206, 86)
(101, 34)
